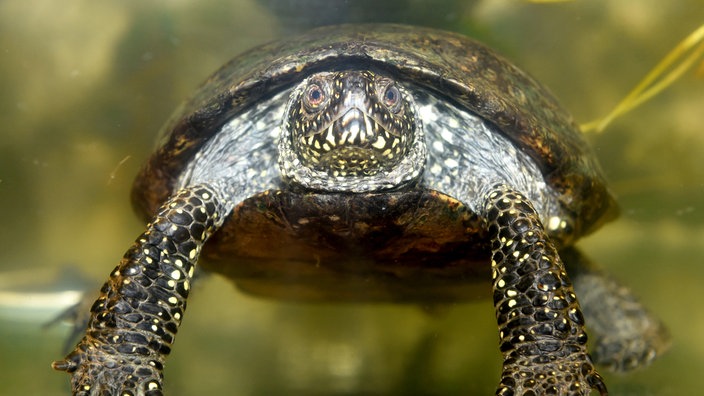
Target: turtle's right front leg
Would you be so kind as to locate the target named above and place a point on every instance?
(134, 321)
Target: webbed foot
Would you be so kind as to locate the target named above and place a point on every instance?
(575, 376)
(100, 369)
(624, 334)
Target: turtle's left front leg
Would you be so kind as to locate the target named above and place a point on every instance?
(134, 321)
(541, 327)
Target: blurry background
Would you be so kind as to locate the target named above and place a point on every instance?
(86, 85)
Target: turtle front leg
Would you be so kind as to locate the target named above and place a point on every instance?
(134, 321)
(541, 327)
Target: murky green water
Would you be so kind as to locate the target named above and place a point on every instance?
(86, 85)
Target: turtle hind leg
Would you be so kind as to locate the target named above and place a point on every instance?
(625, 335)
(134, 321)
(541, 327)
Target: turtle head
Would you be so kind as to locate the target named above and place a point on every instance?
(351, 131)
(351, 122)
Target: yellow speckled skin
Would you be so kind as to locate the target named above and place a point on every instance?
(134, 321)
(541, 326)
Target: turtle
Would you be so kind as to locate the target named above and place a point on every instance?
(373, 162)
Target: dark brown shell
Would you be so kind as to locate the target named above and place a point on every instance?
(452, 66)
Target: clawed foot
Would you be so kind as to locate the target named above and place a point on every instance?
(99, 370)
(576, 378)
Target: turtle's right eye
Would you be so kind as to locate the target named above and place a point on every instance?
(314, 97)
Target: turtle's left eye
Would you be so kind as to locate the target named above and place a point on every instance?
(392, 98)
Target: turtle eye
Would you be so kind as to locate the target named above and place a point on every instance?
(314, 96)
(392, 98)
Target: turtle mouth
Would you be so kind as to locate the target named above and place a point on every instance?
(350, 123)
(355, 142)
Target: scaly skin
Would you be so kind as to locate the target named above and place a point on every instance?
(625, 335)
(134, 321)
(541, 327)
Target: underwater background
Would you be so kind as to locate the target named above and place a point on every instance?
(85, 87)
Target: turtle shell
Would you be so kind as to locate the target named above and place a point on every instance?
(452, 66)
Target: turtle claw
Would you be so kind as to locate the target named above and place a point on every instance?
(95, 372)
(571, 379)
